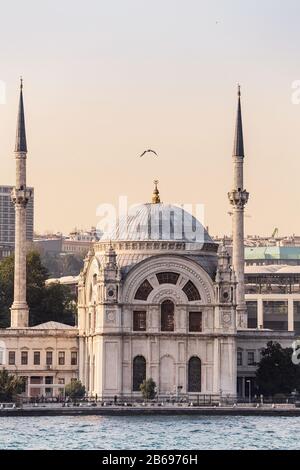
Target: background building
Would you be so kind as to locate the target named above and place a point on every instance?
(7, 220)
(78, 242)
(269, 255)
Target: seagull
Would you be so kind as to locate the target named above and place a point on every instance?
(148, 151)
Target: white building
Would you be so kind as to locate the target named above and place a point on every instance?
(157, 308)
(45, 355)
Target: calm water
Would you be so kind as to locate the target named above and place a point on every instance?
(149, 433)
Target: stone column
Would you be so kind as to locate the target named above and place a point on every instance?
(81, 359)
(20, 197)
(260, 313)
(19, 309)
(238, 198)
(238, 261)
(291, 315)
(216, 367)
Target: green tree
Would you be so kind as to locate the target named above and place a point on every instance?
(75, 390)
(10, 386)
(6, 289)
(58, 304)
(148, 389)
(276, 373)
(54, 302)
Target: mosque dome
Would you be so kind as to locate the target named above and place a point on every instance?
(157, 229)
(158, 222)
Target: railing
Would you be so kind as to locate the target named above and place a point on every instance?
(184, 400)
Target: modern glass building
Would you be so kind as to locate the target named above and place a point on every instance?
(7, 219)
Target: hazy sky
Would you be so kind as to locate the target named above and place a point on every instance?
(104, 80)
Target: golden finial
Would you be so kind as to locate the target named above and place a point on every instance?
(155, 195)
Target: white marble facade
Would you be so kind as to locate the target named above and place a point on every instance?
(109, 298)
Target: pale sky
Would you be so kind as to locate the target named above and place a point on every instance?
(105, 80)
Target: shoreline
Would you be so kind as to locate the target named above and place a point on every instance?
(142, 411)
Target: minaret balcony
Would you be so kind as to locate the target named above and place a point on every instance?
(238, 198)
(20, 196)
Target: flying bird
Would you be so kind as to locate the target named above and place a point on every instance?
(148, 151)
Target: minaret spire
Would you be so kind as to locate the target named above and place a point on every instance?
(238, 149)
(238, 198)
(21, 143)
(20, 197)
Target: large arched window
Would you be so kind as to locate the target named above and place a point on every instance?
(191, 291)
(139, 372)
(167, 316)
(167, 278)
(194, 375)
(143, 291)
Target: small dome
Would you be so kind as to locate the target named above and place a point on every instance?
(158, 222)
(53, 325)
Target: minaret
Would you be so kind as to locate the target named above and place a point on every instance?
(20, 197)
(238, 198)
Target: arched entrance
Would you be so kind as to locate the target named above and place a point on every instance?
(167, 316)
(139, 373)
(194, 375)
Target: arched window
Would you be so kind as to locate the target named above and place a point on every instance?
(167, 278)
(139, 372)
(143, 291)
(191, 291)
(194, 375)
(167, 316)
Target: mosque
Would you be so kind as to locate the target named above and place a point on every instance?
(153, 301)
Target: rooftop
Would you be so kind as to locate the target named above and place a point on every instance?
(273, 252)
(272, 269)
(53, 325)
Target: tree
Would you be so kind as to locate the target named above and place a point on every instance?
(61, 264)
(10, 386)
(54, 302)
(276, 373)
(75, 390)
(148, 389)
(58, 304)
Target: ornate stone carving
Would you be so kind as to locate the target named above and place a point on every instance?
(164, 293)
(110, 316)
(226, 320)
(21, 196)
(238, 199)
